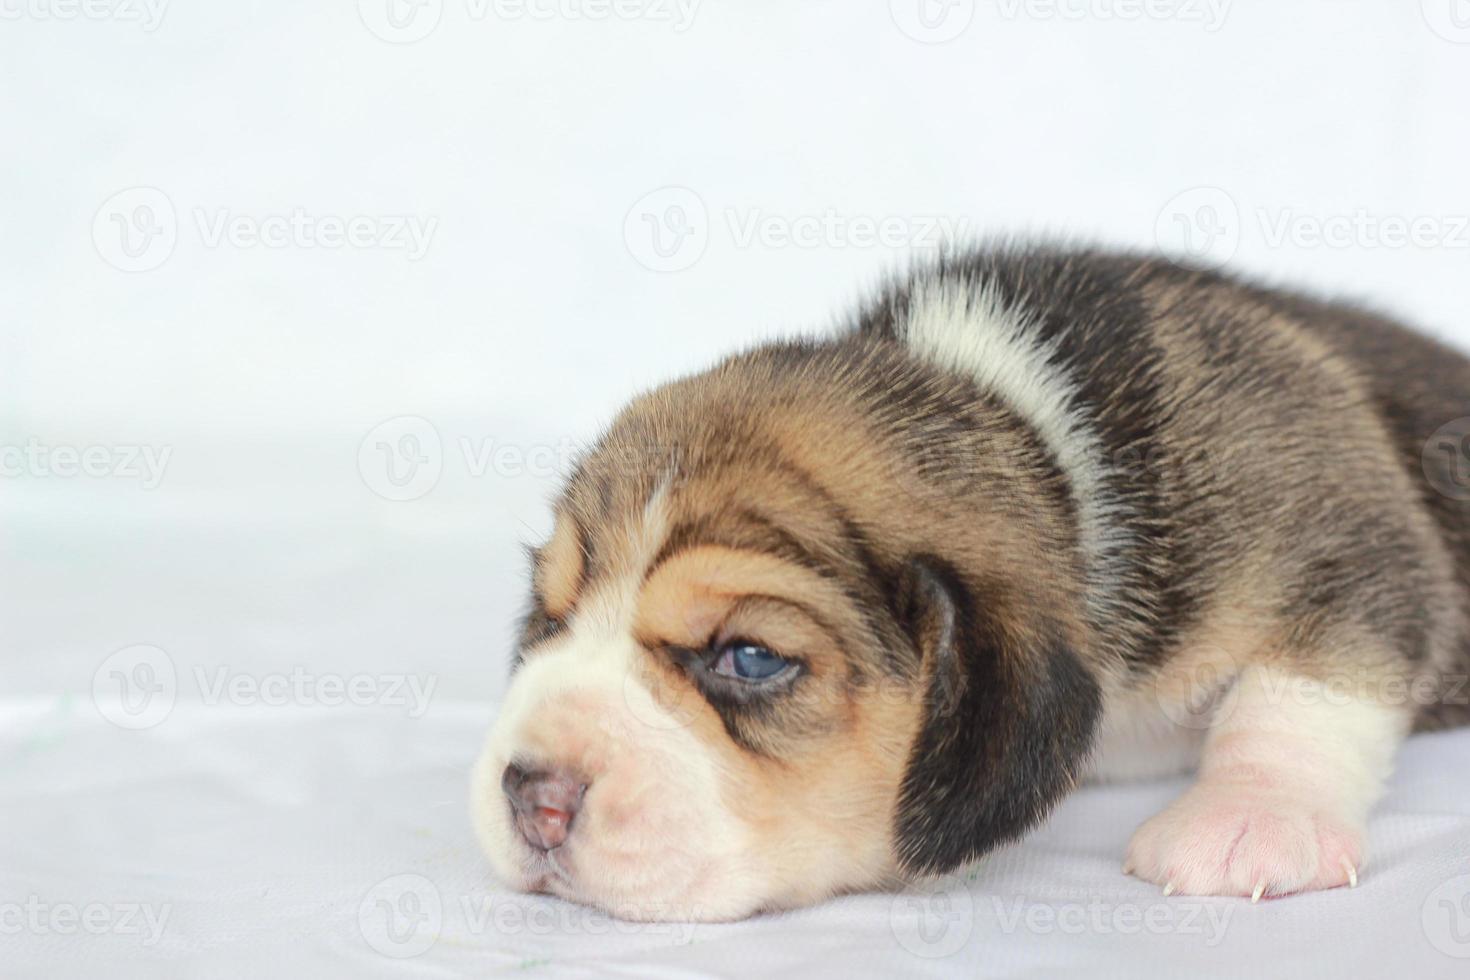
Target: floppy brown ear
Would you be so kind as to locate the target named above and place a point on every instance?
(1009, 717)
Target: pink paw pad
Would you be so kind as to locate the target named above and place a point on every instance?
(1227, 839)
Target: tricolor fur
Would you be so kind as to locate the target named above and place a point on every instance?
(1037, 514)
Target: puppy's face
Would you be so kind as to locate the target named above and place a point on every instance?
(748, 682)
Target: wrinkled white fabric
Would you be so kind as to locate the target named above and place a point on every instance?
(326, 842)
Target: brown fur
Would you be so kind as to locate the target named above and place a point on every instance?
(909, 538)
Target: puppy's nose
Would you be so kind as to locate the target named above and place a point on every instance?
(545, 802)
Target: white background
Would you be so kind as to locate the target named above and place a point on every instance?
(529, 318)
(604, 201)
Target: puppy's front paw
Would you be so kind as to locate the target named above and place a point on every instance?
(1229, 839)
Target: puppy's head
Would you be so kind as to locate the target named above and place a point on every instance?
(785, 641)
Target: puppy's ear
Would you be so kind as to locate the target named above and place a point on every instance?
(1009, 715)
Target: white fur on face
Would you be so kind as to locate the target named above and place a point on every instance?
(655, 837)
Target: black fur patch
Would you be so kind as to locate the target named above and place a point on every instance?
(1006, 729)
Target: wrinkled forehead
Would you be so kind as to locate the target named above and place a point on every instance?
(628, 509)
(667, 540)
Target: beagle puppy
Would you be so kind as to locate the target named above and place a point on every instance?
(846, 611)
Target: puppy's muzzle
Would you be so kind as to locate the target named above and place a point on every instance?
(545, 803)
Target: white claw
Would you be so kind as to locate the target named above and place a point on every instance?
(1352, 872)
(1127, 869)
(1260, 890)
(1168, 889)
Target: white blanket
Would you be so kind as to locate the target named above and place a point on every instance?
(325, 842)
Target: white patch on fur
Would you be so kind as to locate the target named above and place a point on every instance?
(1288, 775)
(963, 327)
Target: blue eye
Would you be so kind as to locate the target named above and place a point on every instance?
(749, 662)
